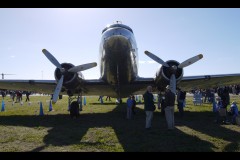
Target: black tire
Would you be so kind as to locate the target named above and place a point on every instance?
(74, 109)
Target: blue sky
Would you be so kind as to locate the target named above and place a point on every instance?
(73, 35)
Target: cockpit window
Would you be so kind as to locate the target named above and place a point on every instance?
(117, 25)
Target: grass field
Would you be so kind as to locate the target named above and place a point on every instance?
(104, 127)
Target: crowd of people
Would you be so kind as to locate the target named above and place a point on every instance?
(166, 103)
(16, 94)
(219, 97)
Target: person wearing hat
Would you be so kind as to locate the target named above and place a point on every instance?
(234, 112)
(169, 110)
(149, 106)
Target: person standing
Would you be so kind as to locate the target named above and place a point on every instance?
(129, 107)
(169, 110)
(180, 99)
(3, 94)
(218, 105)
(134, 105)
(100, 98)
(27, 96)
(149, 106)
(234, 112)
(108, 98)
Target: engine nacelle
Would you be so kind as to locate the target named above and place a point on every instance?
(70, 80)
(163, 75)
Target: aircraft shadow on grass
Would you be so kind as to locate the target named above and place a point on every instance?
(131, 134)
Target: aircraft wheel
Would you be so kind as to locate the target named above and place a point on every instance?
(74, 109)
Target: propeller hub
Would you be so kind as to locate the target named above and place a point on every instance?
(68, 76)
(63, 71)
(173, 69)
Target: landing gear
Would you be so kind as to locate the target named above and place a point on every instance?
(74, 107)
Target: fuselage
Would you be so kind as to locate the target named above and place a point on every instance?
(118, 55)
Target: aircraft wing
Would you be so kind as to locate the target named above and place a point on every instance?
(96, 87)
(208, 81)
(92, 87)
(39, 86)
(193, 82)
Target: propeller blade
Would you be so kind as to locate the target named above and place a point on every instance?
(155, 58)
(52, 58)
(58, 89)
(190, 61)
(82, 67)
(173, 83)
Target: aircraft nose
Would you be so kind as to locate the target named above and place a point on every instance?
(117, 43)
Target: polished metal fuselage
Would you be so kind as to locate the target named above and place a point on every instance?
(118, 57)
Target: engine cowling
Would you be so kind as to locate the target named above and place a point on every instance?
(164, 73)
(71, 80)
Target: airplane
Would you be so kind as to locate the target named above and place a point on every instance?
(118, 72)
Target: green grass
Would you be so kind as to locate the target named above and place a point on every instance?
(104, 127)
